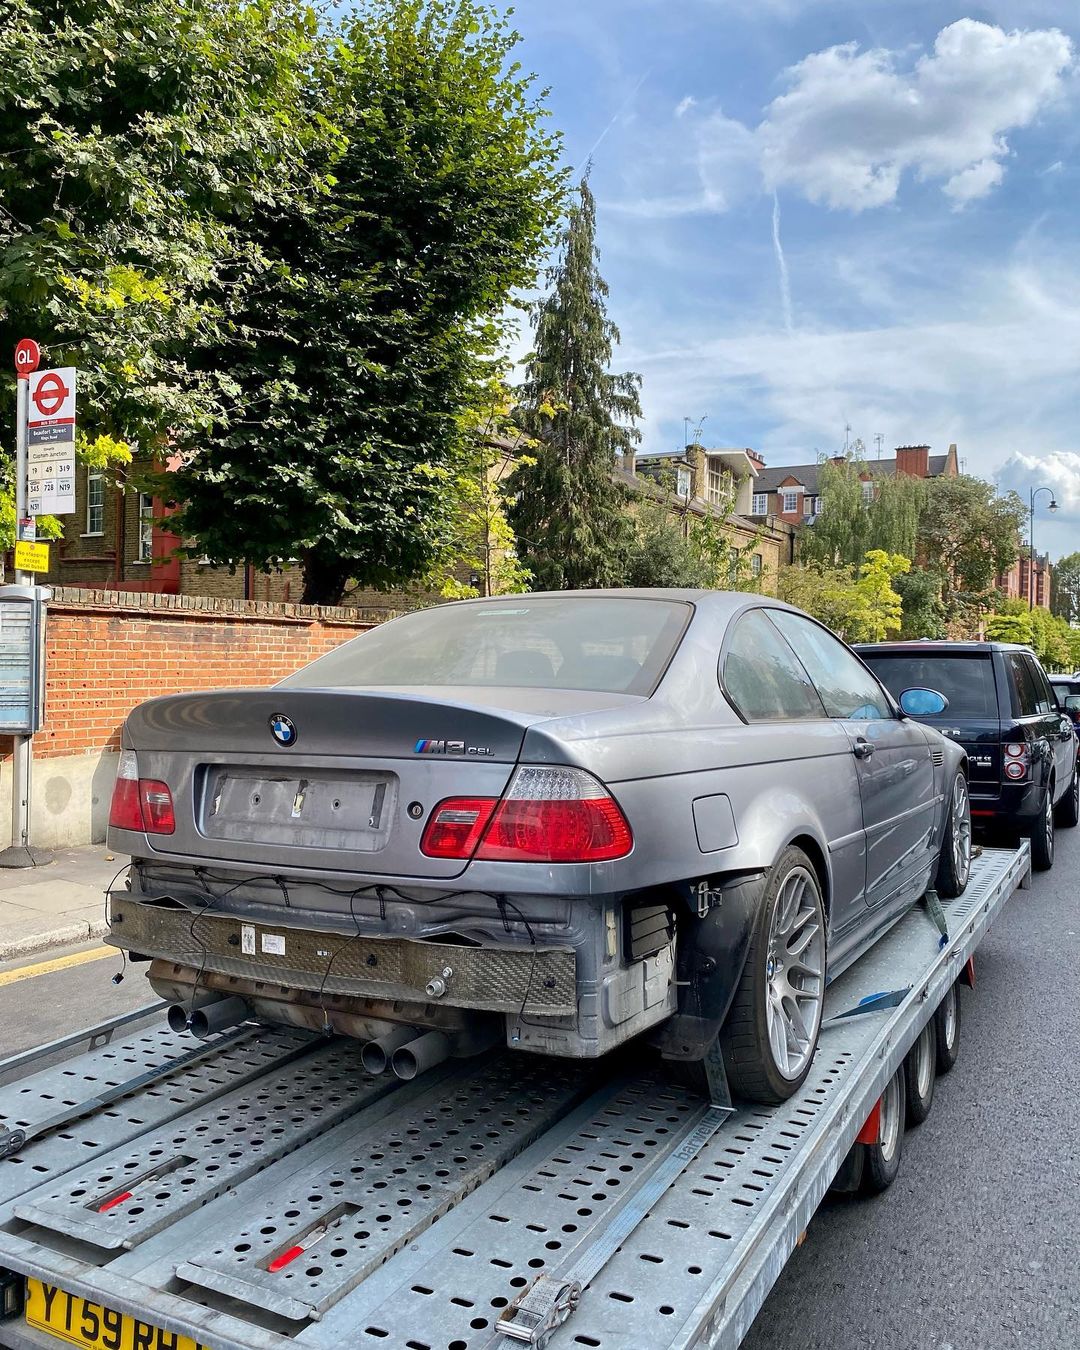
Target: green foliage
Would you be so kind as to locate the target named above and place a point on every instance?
(971, 534)
(923, 613)
(133, 140)
(840, 534)
(569, 515)
(860, 609)
(348, 364)
(1015, 627)
(1065, 589)
(895, 513)
(1054, 642)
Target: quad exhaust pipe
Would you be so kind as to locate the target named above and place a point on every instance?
(206, 1014)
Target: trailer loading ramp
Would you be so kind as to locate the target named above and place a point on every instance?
(270, 1193)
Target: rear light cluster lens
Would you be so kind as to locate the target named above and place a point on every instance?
(546, 815)
(141, 804)
(1017, 761)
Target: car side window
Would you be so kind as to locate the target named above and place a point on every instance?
(1025, 699)
(1044, 699)
(762, 677)
(846, 687)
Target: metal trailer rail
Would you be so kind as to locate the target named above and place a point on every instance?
(271, 1195)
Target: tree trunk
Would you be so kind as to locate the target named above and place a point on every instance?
(325, 579)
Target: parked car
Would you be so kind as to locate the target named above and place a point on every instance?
(1002, 710)
(565, 820)
(1067, 692)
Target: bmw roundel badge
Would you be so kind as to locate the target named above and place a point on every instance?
(283, 729)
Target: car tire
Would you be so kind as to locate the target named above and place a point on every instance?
(881, 1161)
(920, 1072)
(947, 1029)
(1068, 809)
(1042, 833)
(954, 860)
(770, 1036)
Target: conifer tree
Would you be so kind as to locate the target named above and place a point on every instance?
(569, 514)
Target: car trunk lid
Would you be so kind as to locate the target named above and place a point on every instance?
(334, 780)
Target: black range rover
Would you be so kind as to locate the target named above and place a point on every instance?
(1021, 750)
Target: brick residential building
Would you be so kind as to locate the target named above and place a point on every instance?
(791, 493)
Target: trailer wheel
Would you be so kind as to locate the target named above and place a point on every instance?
(920, 1068)
(947, 1029)
(881, 1161)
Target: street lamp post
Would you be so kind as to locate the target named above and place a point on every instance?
(1031, 538)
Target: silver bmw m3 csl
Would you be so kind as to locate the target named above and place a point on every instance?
(558, 820)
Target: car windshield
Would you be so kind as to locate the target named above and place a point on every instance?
(966, 680)
(615, 644)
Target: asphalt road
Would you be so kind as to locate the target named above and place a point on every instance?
(977, 1244)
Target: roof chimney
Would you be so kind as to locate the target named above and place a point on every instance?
(913, 461)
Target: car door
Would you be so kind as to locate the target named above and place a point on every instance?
(1061, 737)
(895, 771)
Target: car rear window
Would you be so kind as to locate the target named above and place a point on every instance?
(611, 644)
(966, 680)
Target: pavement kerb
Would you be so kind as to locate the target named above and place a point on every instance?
(79, 931)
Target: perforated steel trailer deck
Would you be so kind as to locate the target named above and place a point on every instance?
(262, 1190)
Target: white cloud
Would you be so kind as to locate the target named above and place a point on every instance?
(1058, 470)
(684, 107)
(853, 122)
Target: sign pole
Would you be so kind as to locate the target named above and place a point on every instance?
(21, 773)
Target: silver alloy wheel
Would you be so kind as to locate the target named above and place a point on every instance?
(924, 1060)
(795, 972)
(1048, 823)
(950, 1016)
(891, 1124)
(961, 830)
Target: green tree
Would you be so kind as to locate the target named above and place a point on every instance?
(1065, 588)
(569, 514)
(894, 514)
(133, 139)
(352, 364)
(971, 534)
(840, 534)
(878, 605)
(1016, 627)
(923, 613)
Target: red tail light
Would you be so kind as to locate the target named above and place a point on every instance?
(1017, 761)
(455, 826)
(141, 804)
(547, 815)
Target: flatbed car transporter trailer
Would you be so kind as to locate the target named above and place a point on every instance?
(260, 1191)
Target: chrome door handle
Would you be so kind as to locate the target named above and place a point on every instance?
(862, 749)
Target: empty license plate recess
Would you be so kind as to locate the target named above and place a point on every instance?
(309, 809)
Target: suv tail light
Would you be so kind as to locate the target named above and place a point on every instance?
(141, 804)
(1017, 761)
(551, 815)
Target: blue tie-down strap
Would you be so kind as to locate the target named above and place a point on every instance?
(937, 915)
(891, 998)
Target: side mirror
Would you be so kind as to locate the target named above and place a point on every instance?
(1072, 703)
(923, 702)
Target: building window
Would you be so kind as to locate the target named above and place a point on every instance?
(95, 501)
(809, 506)
(761, 504)
(791, 501)
(683, 482)
(717, 493)
(756, 564)
(868, 492)
(146, 528)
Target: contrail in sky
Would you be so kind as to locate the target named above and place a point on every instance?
(781, 262)
(618, 113)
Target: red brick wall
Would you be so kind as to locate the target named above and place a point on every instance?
(108, 651)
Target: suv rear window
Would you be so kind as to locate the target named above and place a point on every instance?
(966, 680)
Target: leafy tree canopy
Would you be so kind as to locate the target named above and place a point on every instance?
(970, 534)
(1065, 590)
(352, 362)
(133, 141)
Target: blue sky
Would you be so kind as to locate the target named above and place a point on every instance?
(822, 213)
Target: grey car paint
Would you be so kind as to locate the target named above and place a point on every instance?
(710, 799)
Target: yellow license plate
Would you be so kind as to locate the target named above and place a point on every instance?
(79, 1322)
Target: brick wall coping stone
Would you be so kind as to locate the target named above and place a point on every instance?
(81, 599)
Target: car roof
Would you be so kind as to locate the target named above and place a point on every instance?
(721, 604)
(932, 647)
